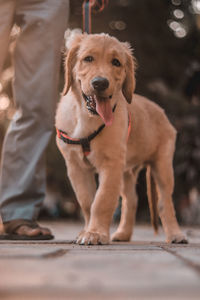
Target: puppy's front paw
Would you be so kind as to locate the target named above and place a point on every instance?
(92, 238)
(177, 239)
(121, 236)
(79, 237)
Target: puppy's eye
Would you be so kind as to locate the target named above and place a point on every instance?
(116, 62)
(89, 58)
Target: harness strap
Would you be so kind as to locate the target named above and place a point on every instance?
(129, 125)
(84, 142)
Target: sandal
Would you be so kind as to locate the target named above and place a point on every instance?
(11, 227)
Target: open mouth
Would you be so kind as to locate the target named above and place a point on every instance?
(90, 104)
(100, 106)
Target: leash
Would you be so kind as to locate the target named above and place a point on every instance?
(88, 7)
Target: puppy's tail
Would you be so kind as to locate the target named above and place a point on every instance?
(152, 198)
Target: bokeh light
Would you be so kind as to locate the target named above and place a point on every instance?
(176, 2)
(178, 13)
(117, 25)
(178, 28)
(196, 6)
(4, 102)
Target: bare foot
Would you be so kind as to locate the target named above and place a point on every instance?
(26, 228)
(28, 231)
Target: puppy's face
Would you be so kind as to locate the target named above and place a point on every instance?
(100, 66)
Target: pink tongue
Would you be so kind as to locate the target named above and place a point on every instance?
(104, 109)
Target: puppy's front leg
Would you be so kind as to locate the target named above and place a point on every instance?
(103, 207)
(84, 185)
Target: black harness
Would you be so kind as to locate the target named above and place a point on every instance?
(84, 142)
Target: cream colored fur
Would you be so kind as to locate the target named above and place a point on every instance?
(117, 162)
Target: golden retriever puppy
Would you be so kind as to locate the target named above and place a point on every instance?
(104, 128)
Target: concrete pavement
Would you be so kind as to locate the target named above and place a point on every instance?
(146, 268)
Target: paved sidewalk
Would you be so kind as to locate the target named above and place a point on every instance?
(146, 268)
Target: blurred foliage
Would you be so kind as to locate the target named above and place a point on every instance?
(165, 36)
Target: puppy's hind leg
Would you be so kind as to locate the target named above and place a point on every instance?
(163, 173)
(129, 207)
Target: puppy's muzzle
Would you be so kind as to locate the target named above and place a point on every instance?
(100, 83)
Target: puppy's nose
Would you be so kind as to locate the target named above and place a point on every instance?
(100, 83)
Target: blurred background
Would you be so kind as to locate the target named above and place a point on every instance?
(165, 36)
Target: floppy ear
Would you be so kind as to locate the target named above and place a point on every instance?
(129, 82)
(70, 62)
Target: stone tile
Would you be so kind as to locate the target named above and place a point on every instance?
(190, 253)
(143, 269)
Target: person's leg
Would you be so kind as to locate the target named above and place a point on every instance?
(7, 10)
(36, 62)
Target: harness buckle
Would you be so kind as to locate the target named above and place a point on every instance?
(85, 143)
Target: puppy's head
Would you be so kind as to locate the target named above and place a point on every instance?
(100, 66)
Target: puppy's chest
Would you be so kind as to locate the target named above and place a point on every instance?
(85, 159)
